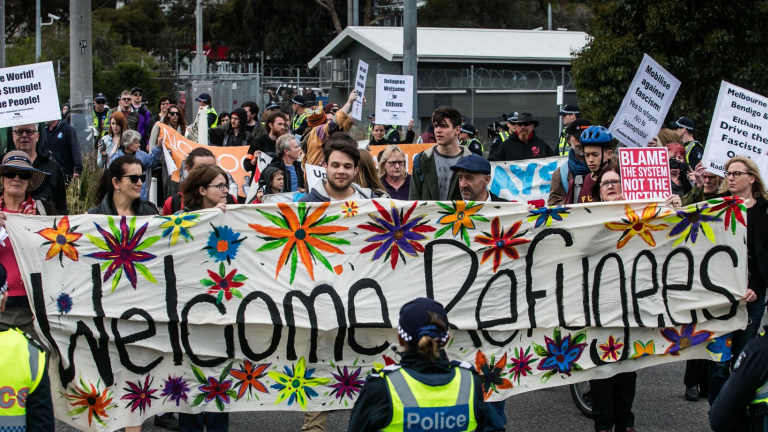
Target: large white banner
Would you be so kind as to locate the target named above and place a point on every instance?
(360, 78)
(739, 127)
(290, 306)
(526, 180)
(394, 99)
(28, 94)
(645, 105)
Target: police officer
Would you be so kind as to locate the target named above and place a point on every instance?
(569, 113)
(25, 391)
(426, 391)
(694, 151)
(742, 404)
(210, 114)
(467, 139)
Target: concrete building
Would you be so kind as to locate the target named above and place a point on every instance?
(481, 72)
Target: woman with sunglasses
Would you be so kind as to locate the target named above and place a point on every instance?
(18, 179)
(110, 142)
(120, 190)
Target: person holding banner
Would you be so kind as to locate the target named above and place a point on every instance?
(425, 385)
(343, 160)
(120, 189)
(568, 178)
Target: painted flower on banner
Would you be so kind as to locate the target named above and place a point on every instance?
(492, 374)
(123, 251)
(641, 225)
(720, 348)
(687, 337)
(611, 349)
(224, 285)
(304, 235)
(64, 303)
(545, 215)
(62, 239)
(223, 243)
(214, 389)
(560, 354)
(87, 397)
(175, 388)
(732, 207)
(499, 242)
(520, 365)
(349, 209)
(139, 395)
(460, 218)
(643, 349)
(176, 226)
(396, 231)
(348, 384)
(296, 384)
(248, 378)
(689, 221)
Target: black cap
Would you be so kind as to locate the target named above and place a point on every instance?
(468, 129)
(371, 116)
(308, 103)
(137, 90)
(100, 98)
(204, 97)
(474, 164)
(271, 106)
(414, 320)
(298, 99)
(685, 123)
(569, 109)
(576, 127)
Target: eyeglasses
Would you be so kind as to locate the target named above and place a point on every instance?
(24, 175)
(610, 183)
(22, 132)
(395, 163)
(126, 99)
(173, 113)
(735, 174)
(221, 186)
(134, 178)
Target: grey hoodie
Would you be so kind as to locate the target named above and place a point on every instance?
(320, 195)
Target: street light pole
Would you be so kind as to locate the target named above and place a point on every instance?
(2, 27)
(410, 56)
(81, 72)
(38, 41)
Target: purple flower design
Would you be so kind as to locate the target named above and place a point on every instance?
(687, 337)
(347, 383)
(396, 232)
(175, 388)
(138, 395)
(690, 221)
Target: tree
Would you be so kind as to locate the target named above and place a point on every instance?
(701, 43)
(329, 5)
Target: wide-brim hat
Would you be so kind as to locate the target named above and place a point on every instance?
(17, 160)
(525, 117)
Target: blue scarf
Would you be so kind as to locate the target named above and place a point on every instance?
(576, 166)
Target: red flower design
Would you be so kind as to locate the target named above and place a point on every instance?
(498, 242)
(216, 389)
(248, 378)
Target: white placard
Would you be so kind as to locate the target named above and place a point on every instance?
(315, 176)
(360, 79)
(645, 105)
(28, 94)
(394, 99)
(739, 127)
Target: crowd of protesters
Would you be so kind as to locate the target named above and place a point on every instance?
(43, 159)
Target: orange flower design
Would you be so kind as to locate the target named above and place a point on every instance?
(248, 378)
(92, 400)
(61, 239)
(634, 225)
(303, 235)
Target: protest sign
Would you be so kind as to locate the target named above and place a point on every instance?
(645, 173)
(315, 176)
(645, 105)
(360, 78)
(739, 127)
(526, 180)
(273, 306)
(230, 159)
(394, 99)
(28, 95)
(410, 150)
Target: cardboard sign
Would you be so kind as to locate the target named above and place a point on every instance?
(394, 99)
(645, 105)
(739, 127)
(645, 173)
(28, 95)
(526, 180)
(360, 78)
(279, 306)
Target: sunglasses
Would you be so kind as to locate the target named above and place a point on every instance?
(23, 175)
(134, 178)
(127, 99)
(173, 113)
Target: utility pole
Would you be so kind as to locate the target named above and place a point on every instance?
(353, 13)
(81, 71)
(2, 27)
(38, 33)
(410, 56)
(198, 63)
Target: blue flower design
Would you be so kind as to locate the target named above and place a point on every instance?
(720, 348)
(545, 215)
(223, 243)
(64, 303)
(560, 354)
(687, 337)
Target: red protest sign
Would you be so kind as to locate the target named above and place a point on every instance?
(645, 173)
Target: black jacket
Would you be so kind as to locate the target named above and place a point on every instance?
(513, 149)
(61, 143)
(140, 207)
(496, 198)
(279, 164)
(373, 408)
(224, 137)
(53, 189)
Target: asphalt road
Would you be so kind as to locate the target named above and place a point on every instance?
(659, 406)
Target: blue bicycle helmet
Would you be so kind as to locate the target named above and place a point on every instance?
(597, 135)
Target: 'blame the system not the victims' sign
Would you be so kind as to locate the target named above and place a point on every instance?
(645, 173)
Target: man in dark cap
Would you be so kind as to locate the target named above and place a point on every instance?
(569, 113)
(100, 117)
(474, 174)
(694, 150)
(467, 138)
(524, 144)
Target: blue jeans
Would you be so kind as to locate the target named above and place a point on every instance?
(212, 421)
(496, 417)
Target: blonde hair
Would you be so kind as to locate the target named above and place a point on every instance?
(667, 136)
(758, 187)
(386, 154)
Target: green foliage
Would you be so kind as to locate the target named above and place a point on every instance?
(526, 14)
(81, 193)
(700, 43)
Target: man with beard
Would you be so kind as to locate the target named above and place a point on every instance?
(53, 188)
(474, 174)
(568, 178)
(524, 144)
(341, 166)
